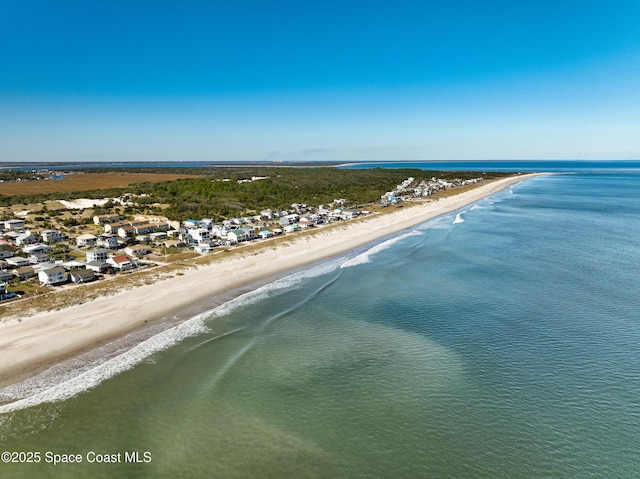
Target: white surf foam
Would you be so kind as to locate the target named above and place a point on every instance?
(277, 287)
(66, 389)
(366, 256)
(459, 219)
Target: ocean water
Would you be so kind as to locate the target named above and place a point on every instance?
(499, 341)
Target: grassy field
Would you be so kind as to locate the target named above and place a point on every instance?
(85, 182)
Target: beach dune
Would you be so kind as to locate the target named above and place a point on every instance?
(31, 344)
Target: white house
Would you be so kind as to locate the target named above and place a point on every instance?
(98, 254)
(122, 262)
(289, 219)
(14, 224)
(137, 250)
(17, 261)
(107, 241)
(52, 276)
(265, 234)
(200, 235)
(103, 219)
(51, 236)
(203, 248)
(86, 241)
(27, 238)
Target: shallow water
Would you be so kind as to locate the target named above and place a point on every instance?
(504, 345)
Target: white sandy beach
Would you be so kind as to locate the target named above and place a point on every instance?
(35, 342)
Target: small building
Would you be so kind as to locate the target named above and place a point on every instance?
(289, 219)
(86, 241)
(137, 250)
(105, 219)
(82, 276)
(53, 276)
(144, 228)
(99, 266)
(98, 254)
(265, 234)
(203, 248)
(24, 273)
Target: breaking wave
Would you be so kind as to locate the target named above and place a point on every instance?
(366, 256)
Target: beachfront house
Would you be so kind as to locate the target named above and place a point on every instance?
(122, 262)
(53, 276)
(265, 234)
(98, 254)
(24, 273)
(203, 247)
(289, 219)
(98, 266)
(86, 241)
(82, 276)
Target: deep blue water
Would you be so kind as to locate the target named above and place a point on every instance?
(557, 166)
(499, 341)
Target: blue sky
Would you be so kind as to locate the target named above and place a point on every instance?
(333, 80)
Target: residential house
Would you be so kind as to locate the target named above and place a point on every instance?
(203, 247)
(126, 231)
(86, 241)
(53, 276)
(17, 262)
(191, 223)
(98, 266)
(137, 250)
(5, 254)
(6, 276)
(104, 219)
(199, 235)
(108, 241)
(14, 224)
(38, 254)
(82, 276)
(291, 228)
(24, 273)
(249, 233)
(265, 234)
(27, 238)
(51, 236)
(236, 236)
(289, 219)
(112, 228)
(98, 254)
(122, 262)
(144, 228)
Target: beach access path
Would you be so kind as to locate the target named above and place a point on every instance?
(31, 344)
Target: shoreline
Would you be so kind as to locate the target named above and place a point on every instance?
(31, 345)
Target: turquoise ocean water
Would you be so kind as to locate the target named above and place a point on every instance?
(499, 341)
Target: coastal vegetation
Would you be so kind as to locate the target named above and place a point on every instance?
(222, 192)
